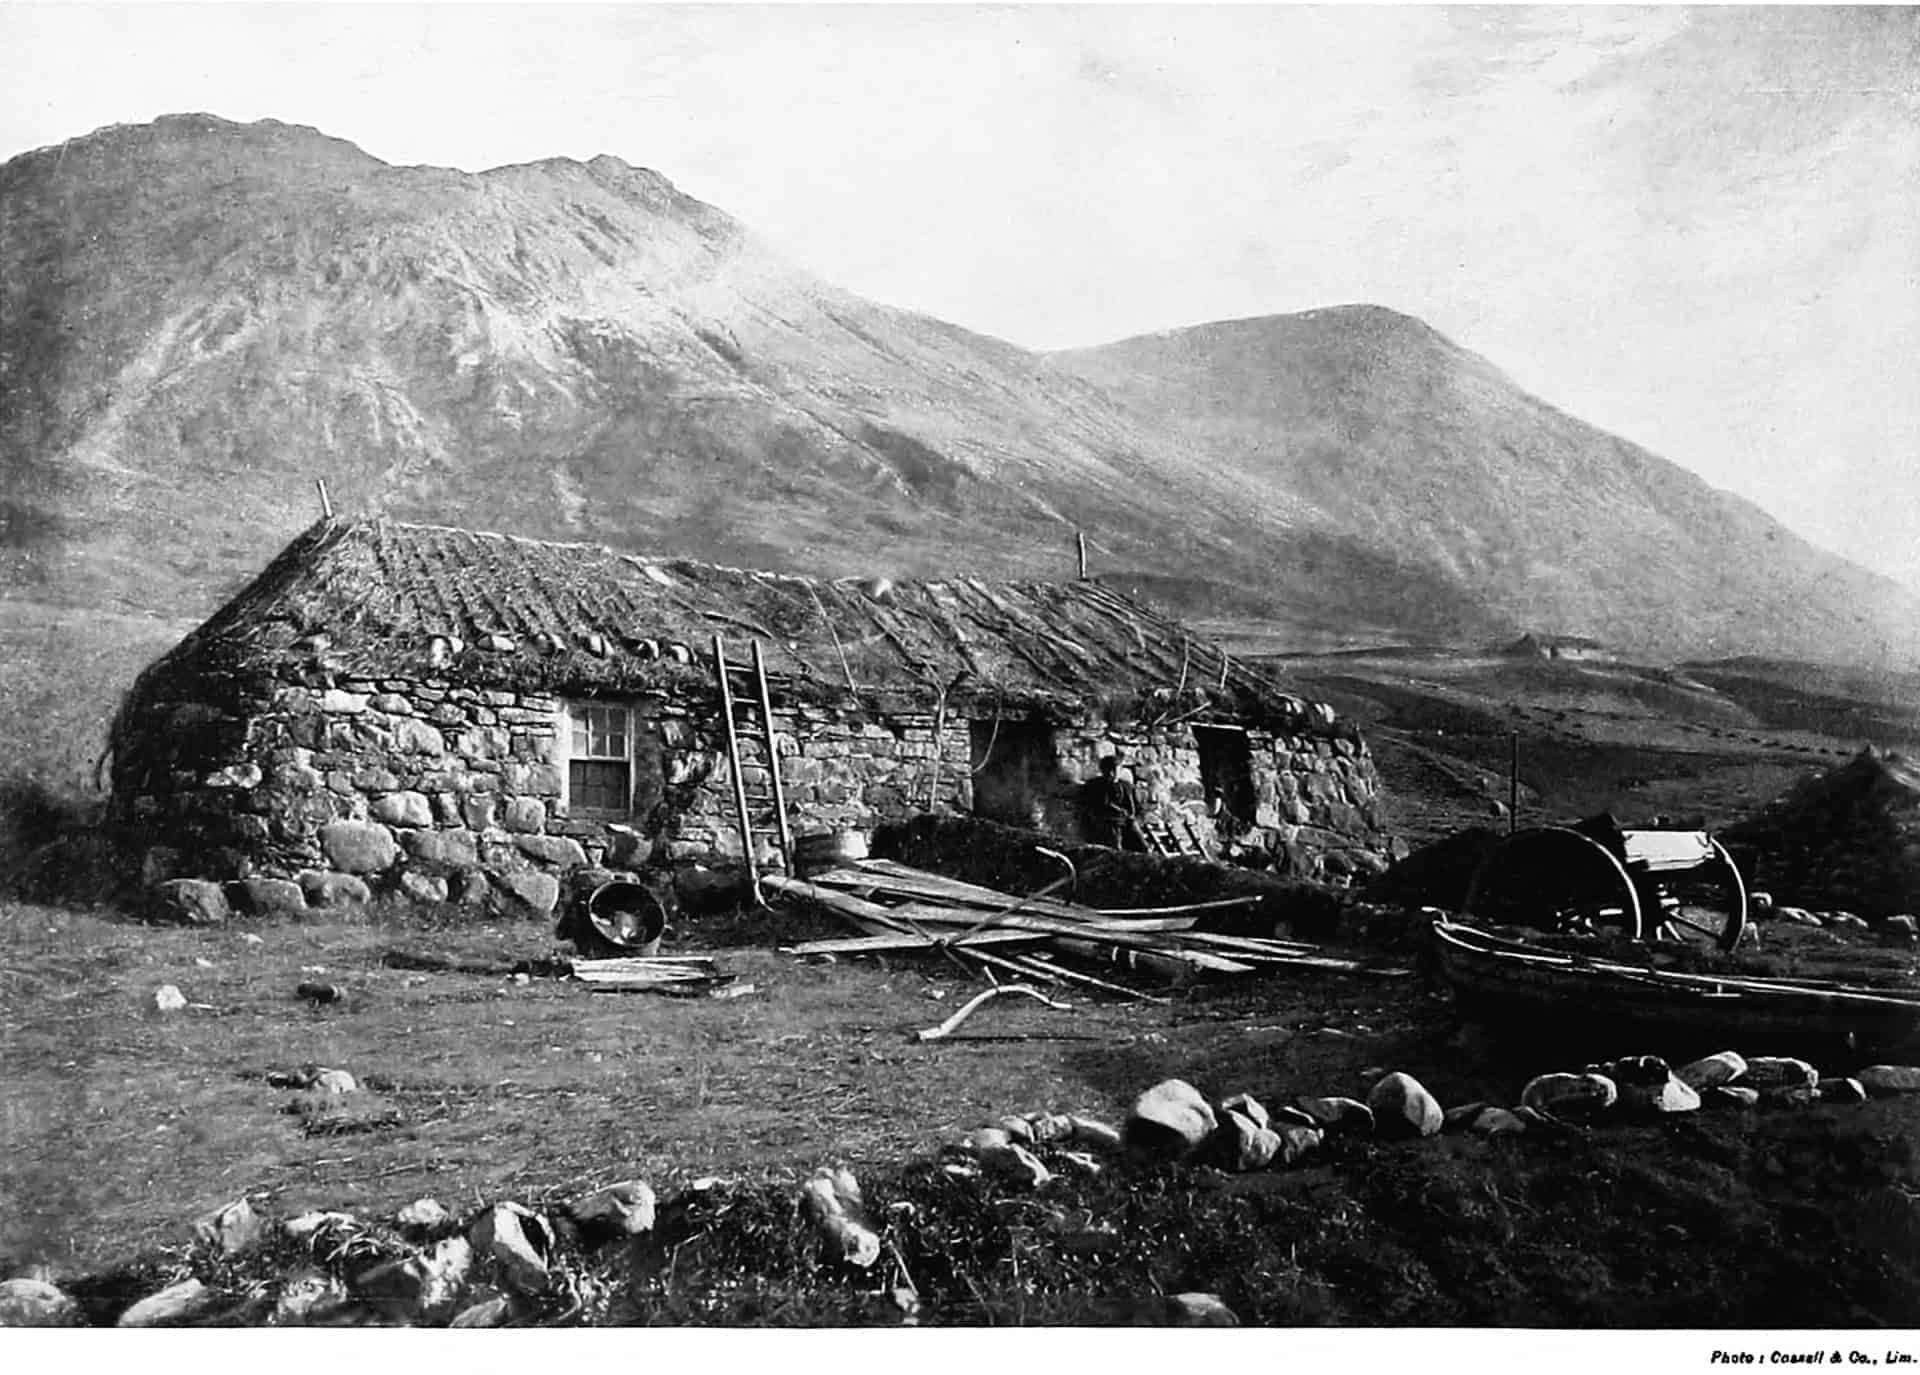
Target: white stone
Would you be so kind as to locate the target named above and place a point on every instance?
(1842, 1090)
(1722, 1068)
(169, 999)
(426, 1287)
(1886, 1080)
(232, 1229)
(832, 1202)
(423, 1215)
(344, 703)
(1769, 1072)
(518, 1241)
(35, 1303)
(176, 1303)
(1401, 1106)
(1297, 1143)
(626, 1208)
(1492, 1121)
(1569, 1095)
(1169, 1120)
(1094, 1134)
(1242, 1145)
(1248, 1107)
(1199, 1310)
(306, 1296)
(1344, 1116)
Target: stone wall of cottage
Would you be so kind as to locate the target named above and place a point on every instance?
(304, 796)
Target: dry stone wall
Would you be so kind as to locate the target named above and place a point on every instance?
(299, 795)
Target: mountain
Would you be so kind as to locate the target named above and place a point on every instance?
(199, 318)
(1407, 441)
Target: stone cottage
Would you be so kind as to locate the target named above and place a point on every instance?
(468, 716)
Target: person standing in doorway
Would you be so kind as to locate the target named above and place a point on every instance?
(1113, 808)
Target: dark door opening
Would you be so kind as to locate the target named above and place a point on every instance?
(1016, 772)
(1226, 774)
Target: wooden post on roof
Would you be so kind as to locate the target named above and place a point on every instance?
(326, 504)
(1080, 539)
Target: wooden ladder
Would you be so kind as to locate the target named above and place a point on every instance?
(1165, 840)
(748, 715)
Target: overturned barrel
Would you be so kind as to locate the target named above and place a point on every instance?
(627, 918)
(822, 850)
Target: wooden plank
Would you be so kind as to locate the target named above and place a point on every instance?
(1161, 960)
(898, 880)
(906, 940)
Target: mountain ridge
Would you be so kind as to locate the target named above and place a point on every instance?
(199, 317)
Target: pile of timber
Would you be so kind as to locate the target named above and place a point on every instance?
(899, 908)
(685, 976)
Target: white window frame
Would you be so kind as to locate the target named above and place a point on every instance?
(572, 716)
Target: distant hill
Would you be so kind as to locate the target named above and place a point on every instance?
(1408, 442)
(198, 318)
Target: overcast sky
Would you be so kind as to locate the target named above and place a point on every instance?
(1699, 228)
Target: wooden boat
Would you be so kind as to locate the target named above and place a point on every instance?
(1634, 1009)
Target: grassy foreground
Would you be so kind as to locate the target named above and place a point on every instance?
(122, 1123)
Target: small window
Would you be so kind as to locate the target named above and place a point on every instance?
(600, 759)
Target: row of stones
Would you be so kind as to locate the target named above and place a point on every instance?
(1173, 1120)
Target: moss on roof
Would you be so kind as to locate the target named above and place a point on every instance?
(378, 598)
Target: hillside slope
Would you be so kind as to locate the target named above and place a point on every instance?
(1406, 440)
(201, 317)
(198, 318)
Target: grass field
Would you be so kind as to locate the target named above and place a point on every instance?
(123, 1123)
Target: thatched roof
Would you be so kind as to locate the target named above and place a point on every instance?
(377, 598)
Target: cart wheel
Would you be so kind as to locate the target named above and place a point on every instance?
(1707, 906)
(1555, 879)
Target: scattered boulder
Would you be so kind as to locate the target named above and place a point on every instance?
(1729, 1096)
(1199, 1310)
(518, 1241)
(1094, 1134)
(1048, 1127)
(35, 1303)
(1241, 1144)
(304, 1228)
(832, 1202)
(1646, 1085)
(620, 1210)
(1016, 1163)
(1401, 1107)
(1078, 1162)
(1297, 1143)
(1247, 1106)
(1169, 1120)
(232, 1229)
(1773, 1074)
(423, 1217)
(309, 1296)
(1018, 1130)
(496, 1310)
(176, 1303)
(1723, 1068)
(1841, 1090)
(1904, 928)
(1460, 1118)
(1883, 1081)
(1569, 1095)
(336, 1081)
(191, 902)
(426, 1287)
(1340, 1116)
(1492, 1121)
(168, 998)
